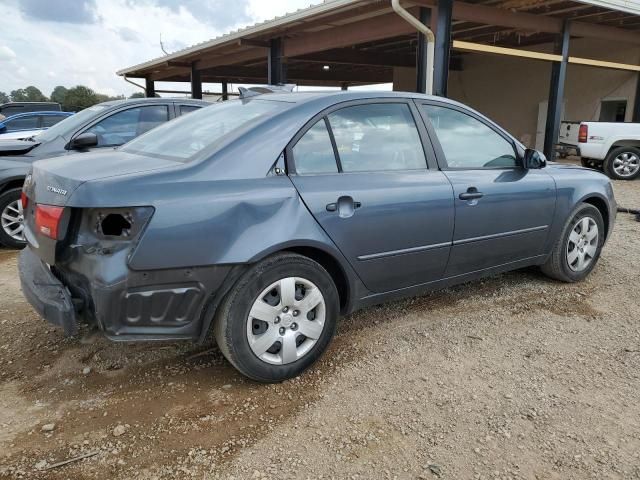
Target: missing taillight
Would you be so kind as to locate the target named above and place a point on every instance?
(48, 220)
(116, 225)
(24, 200)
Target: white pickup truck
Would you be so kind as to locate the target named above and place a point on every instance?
(614, 147)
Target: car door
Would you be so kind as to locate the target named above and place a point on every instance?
(503, 212)
(119, 127)
(361, 168)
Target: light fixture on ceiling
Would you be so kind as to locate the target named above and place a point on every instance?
(326, 68)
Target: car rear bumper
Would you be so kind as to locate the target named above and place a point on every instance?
(46, 294)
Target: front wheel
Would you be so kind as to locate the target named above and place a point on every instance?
(623, 163)
(11, 219)
(278, 318)
(578, 249)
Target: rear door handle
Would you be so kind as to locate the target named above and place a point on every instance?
(472, 193)
(345, 206)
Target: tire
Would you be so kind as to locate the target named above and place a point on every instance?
(562, 264)
(586, 163)
(241, 336)
(10, 207)
(623, 163)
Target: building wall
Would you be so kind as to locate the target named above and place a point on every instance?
(509, 90)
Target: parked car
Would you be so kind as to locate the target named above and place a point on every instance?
(12, 108)
(259, 220)
(26, 125)
(103, 126)
(612, 147)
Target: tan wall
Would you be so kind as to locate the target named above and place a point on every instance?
(510, 89)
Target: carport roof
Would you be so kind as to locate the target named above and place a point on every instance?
(363, 40)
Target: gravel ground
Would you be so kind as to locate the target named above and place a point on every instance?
(512, 377)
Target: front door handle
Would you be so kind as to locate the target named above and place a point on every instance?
(472, 193)
(345, 206)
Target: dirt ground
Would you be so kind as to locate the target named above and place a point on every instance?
(512, 377)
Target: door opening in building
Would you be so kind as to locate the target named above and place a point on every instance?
(613, 110)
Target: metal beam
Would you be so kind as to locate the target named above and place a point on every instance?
(556, 92)
(353, 56)
(443, 48)
(236, 73)
(277, 67)
(636, 103)
(149, 88)
(196, 83)
(225, 90)
(421, 53)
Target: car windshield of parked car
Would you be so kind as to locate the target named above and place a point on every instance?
(70, 124)
(183, 139)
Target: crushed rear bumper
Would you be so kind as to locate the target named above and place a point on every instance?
(46, 294)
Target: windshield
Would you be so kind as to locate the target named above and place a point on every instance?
(69, 124)
(185, 138)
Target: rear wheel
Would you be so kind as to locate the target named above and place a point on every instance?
(623, 163)
(278, 318)
(11, 219)
(577, 251)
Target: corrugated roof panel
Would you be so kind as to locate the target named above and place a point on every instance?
(630, 6)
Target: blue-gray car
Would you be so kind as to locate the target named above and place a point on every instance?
(258, 221)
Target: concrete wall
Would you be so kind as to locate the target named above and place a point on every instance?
(509, 89)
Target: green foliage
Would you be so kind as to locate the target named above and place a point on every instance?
(4, 98)
(138, 95)
(29, 94)
(58, 95)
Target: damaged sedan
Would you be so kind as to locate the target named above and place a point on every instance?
(258, 221)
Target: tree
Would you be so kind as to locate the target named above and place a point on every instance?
(138, 95)
(79, 97)
(58, 95)
(4, 98)
(29, 94)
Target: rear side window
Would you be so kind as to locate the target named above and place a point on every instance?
(123, 126)
(314, 153)
(51, 120)
(184, 109)
(469, 143)
(377, 137)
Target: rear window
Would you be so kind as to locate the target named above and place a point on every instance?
(186, 137)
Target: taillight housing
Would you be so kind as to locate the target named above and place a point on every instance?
(583, 134)
(48, 219)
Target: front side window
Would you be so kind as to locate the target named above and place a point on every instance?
(24, 123)
(123, 126)
(314, 153)
(469, 143)
(377, 137)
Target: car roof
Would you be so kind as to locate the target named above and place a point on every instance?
(345, 96)
(136, 101)
(29, 114)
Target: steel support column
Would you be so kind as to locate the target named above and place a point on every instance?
(443, 48)
(196, 83)
(150, 89)
(277, 66)
(556, 92)
(636, 103)
(225, 91)
(421, 53)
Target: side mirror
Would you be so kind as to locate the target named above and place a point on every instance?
(84, 140)
(533, 159)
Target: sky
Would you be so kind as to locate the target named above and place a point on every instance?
(84, 42)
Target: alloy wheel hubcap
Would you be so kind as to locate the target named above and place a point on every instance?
(286, 320)
(626, 164)
(583, 244)
(13, 221)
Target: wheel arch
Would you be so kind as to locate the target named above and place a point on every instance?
(603, 208)
(624, 143)
(11, 183)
